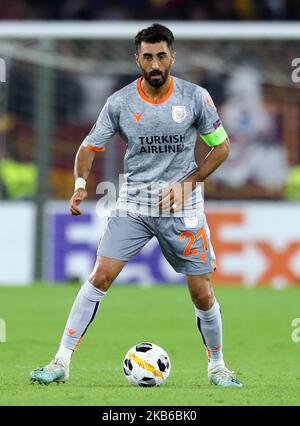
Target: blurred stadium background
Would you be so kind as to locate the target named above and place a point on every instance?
(58, 75)
(59, 61)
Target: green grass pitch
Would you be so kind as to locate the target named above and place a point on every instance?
(257, 346)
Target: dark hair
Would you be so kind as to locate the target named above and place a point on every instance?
(154, 34)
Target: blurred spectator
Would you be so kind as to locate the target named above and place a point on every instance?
(151, 9)
(224, 10)
(292, 190)
(257, 152)
(14, 10)
(19, 180)
(261, 117)
(68, 93)
(96, 89)
(165, 9)
(18, 175)
(214, 82)
(198, 11)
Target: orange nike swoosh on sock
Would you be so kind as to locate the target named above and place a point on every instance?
(217, 347)
(71, 331)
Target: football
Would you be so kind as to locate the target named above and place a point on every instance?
(146, 365)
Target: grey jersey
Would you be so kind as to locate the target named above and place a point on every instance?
(160, 138)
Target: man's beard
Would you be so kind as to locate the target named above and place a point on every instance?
(156, 82)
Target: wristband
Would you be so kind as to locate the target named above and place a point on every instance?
(80, 183)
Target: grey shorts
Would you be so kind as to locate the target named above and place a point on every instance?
(185, 242)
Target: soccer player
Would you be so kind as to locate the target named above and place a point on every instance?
(158, 116)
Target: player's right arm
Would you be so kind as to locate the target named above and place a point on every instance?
(83, 164)
(105, 127)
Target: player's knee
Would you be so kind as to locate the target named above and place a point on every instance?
(203, 299)
(100, 279)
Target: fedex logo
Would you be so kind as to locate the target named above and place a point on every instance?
(254, 250)
(256, 244)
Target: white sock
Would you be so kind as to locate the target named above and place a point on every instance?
(213, 364)
(81, 316)
(64, 354)
(209, 324)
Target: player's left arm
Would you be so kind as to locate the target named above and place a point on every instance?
(212, 132)
(212, 161)
(174, 196)
(214, 135)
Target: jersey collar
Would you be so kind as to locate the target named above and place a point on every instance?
(151, 101)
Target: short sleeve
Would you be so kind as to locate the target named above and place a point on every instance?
(104, 128)
(207, 116)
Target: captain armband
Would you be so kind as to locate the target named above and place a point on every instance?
(215, 138)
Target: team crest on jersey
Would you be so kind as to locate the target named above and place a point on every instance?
(178, 113)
